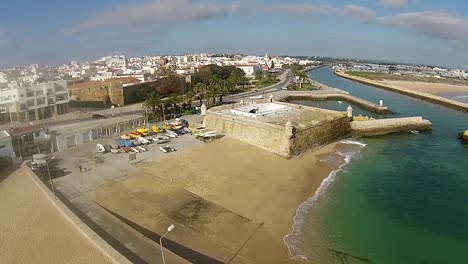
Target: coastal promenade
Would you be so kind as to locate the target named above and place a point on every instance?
(34, 229)
(420, 95)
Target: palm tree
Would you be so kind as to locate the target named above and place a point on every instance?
(200, 91)
(174, 100)
(152, 100)
(302, 76)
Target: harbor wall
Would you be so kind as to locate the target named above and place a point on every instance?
(420, 95)
(378, 127)
(341, 97)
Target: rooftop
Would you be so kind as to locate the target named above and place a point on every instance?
(281, 113)
(86, 125)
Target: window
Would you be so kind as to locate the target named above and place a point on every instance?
(40, 92)
(30, 94)
(61, 97)
(40, 101)
(30, 102)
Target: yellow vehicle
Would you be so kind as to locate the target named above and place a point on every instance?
(157, 129)
(463, 136)
(143, 131)
(133, 134)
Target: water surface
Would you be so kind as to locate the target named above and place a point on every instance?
(403, 199)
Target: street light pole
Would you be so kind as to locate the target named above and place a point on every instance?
(169, 229)
(50, 181)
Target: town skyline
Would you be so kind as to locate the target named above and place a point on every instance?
(416, 32)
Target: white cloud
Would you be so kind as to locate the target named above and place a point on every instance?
(432, 24)
(395, 4)
(160, 12)
(300, 9)
(363, 14)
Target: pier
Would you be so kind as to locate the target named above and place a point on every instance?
(378, 127)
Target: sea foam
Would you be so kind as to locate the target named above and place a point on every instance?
(294, 239)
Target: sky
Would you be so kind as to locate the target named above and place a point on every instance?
(410, 31)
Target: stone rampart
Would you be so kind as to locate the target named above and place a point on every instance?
(386, 126)
(287, 140)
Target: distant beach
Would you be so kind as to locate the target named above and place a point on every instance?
(432, 88)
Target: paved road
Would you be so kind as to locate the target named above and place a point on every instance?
(284, 81)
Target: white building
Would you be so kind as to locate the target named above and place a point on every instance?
(7, 154)
(249, 69)
(24, 104)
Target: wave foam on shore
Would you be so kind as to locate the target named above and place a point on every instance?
(294, 239)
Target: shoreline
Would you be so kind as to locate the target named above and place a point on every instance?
(247, 197)
(293, 239)
(416, 94)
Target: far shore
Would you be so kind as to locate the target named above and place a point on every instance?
(439, 89)
(418, 90)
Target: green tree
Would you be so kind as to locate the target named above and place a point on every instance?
(259, 75)
(174, 100)
(200, 91)
(152, 101)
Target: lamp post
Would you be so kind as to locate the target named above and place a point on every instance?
(169, 229)
(50, 178)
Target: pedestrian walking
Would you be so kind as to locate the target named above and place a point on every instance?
(81, 168)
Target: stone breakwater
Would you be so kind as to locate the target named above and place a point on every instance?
(378, 127)
(343, 97)
(420, 95)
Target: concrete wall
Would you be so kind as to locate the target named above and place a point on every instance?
(265, 136)
(87, 134)
(340, 97)
(320, 134)
(386, 126)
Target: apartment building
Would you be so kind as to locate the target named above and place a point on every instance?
(36, 102)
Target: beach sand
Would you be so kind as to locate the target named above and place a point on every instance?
(228, 199)
(440, 89)
(32, 230)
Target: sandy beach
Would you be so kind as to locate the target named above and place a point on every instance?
(228, 200)
(440, 89)
(33, 231)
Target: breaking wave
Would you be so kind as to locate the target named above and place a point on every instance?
(294, 239)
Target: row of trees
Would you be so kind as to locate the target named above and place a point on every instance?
(209, 85)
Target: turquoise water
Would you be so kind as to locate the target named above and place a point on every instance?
(403, 199)
(461, 97)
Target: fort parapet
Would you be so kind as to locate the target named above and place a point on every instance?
(285, 129)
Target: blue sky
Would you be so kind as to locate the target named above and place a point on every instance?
(415, 31)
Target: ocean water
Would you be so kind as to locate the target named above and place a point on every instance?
(461, 97)
(400, 198)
